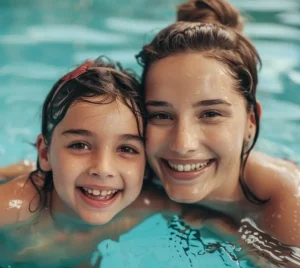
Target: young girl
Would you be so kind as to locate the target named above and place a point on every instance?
(90, 168)
(199, 81)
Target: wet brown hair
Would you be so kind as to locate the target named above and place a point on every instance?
(100, 77)
(213, 28)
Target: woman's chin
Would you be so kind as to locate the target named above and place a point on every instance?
(184, 197)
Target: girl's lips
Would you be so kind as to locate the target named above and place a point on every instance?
(184, 175)
(97, 203)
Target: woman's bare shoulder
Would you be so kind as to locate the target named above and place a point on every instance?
(265, 175)
(18, 198)
(279, 181)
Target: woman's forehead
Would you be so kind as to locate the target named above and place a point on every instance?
(189, 74)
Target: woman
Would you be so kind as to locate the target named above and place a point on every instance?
(199, 80)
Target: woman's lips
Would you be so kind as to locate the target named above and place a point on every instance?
(185, 170)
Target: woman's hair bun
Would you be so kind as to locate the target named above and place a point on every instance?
(211, 11)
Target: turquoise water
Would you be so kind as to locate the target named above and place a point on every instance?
(41, 40)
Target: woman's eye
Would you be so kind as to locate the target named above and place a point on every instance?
(159, 116)
(128, 150)
(210, 114)
(79, 146)
(160, 119)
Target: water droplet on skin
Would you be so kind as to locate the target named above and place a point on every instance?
(195, 191)
(15, 204)
(278, 216)
(147, 201)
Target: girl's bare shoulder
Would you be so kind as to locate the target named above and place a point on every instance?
(19, 200)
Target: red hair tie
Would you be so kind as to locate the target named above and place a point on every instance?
(78, 71)
(71, 75)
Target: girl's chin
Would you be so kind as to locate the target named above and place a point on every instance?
(95, 220)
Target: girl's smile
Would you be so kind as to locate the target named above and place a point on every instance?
(97, 159)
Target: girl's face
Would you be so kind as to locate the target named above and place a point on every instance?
(197, 125)
(97, 158)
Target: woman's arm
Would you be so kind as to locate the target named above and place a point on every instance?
(15, 198)
(16, 169)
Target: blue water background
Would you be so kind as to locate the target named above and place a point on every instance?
(40, 40)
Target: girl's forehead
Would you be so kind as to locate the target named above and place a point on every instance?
(98, 115)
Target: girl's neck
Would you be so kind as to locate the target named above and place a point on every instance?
(64, 219)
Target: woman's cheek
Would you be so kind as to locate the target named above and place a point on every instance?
(156, 138)
(225, 140)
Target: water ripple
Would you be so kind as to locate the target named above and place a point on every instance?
(60, 34)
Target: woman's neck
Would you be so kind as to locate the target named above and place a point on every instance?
(229, 200)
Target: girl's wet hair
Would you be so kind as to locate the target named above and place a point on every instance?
(100, 77)
(213, 28)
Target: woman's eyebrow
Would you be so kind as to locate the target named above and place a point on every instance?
(211, 102)
(158, 103)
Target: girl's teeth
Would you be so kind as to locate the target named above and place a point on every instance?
(188, 167)
(103, 193)
(98, 192)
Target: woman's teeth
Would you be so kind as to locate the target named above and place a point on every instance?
(97, 192)
(188, 167)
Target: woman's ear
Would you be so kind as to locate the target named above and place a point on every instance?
(259, 109)
(252, 124)
(259, 112)
(43, 153)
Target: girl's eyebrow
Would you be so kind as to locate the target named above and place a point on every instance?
(81, 132)
(131, 137)
(84, 132)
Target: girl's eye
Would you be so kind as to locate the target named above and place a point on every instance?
(210, 114)
(128, 150)
(79, 146)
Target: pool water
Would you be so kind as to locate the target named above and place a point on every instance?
(40, 40)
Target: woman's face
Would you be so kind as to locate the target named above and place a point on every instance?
(197, 125)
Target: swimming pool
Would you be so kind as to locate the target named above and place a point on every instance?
(42, 39)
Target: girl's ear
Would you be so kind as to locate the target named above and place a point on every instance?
(43, 153)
